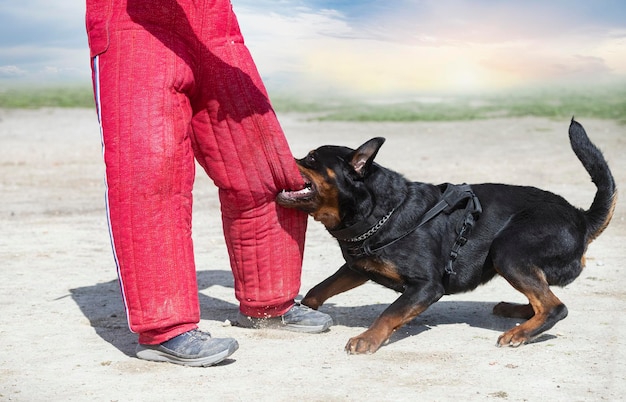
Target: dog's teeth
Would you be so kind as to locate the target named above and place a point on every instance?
(303, 191)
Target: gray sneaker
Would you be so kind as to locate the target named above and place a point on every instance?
(192, 348)
(298, 319)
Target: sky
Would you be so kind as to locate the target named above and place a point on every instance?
(373, 47)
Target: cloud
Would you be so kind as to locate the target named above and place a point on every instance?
(45, 64)
(11, 71)
(367, 46)
(404, 46)
(42, 41)
(41, 23)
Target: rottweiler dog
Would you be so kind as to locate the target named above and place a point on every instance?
(425, 240)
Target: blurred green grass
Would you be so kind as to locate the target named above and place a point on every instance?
(607, 102)
(600, 103)
(34, 97)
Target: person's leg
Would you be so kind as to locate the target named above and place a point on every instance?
(145, 123)
(250, 162)
(264, 241)
(149, 176)
(239, 142)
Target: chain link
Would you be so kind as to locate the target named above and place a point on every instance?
(372, 230)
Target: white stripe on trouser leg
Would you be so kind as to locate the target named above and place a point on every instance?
(96, 69)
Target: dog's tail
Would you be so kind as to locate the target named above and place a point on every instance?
(601, 211)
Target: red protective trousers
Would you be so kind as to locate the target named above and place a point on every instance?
(174, 82)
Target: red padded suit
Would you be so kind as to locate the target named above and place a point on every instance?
(175, 83)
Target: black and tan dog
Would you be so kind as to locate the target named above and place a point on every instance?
(426, 240)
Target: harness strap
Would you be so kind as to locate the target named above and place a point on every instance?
(450, 198)
(472, 212)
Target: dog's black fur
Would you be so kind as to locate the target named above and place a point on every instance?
(532, 238)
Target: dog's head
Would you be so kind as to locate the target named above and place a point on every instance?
(335, 179)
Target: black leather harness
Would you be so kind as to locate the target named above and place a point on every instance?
(359, 234)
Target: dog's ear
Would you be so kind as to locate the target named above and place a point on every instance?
(363, 156)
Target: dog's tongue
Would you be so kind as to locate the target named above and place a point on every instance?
(295, 195)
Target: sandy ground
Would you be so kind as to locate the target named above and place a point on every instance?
(63, 333)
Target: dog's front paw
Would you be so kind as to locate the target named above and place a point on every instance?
(366, 343)
(311, 302)
(513, 338)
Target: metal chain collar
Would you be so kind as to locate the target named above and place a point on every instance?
(372, 230)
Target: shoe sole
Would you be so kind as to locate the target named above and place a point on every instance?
(277, 323)
(146, 353)
(305, 328)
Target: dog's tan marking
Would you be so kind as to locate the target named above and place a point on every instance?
(342, 280)
(606, 221)
(327, 205)
(394, 317)
(384, 268)
(543, 303)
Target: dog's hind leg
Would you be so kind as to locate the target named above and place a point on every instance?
(539, 247)
(342, 280)
(547, 308)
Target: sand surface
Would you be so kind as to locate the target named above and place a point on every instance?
(63, 332)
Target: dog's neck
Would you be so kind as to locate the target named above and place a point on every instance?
(359, 228)
(364, 228)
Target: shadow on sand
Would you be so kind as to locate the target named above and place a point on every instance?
(102, 305)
